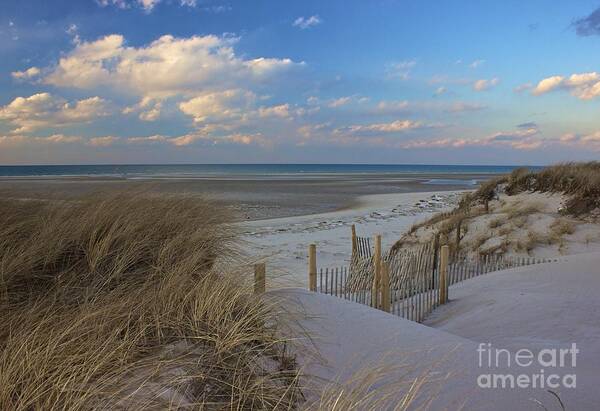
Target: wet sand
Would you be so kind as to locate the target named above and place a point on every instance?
(251, 197)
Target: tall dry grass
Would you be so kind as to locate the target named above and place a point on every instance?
(116, 301)
(580, 182)
(380, 387)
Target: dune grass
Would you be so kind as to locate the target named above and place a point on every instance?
(134, 302)
(578, 183)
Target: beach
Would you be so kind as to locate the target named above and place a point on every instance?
(274, 219)
(254, 195)
(283, 242)
(278, 216)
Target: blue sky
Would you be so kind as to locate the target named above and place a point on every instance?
(379, 81)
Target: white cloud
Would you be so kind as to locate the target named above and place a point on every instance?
(44, 110)
(146, 5)
(482, 85)
(107, 141)
(103, 141)
(266, 66)
(55, 139)
(60, 138)
(311, 130)
(584, 86)
(19, 140)
(28, 74)
(392, 127)
(152, 114)
(122, 4)
(306, 111)
(148, 109)
(522, 139)
(566, 138)
(548, 84)
(191, 138)
(590, 141)
(281, 111)
(219, 106)
(591, 138)
(307, 22)
(167, 67)
(202, 74)
(148, 139)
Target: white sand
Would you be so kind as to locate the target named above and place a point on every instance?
(546, 306)
(351, 338)
(535, 307)
(283, 242)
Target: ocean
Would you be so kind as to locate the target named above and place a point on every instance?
(213, 170)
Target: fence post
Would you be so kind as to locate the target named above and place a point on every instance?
(312, 267)
(259, 278)
(385, 288)
(458, 227)
(444, 254)
(436, 247)
(354, 241)
(375, 300)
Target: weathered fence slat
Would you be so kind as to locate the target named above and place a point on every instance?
(409, 283)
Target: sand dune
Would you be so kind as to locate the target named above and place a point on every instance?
(535, 307)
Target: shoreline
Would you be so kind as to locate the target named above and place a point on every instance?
(250, 198)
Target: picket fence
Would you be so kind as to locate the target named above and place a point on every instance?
(409, 283)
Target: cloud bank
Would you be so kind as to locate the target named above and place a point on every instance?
(584, 86)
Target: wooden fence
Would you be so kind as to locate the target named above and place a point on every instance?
(406, 284)
(361, 246)
(463, 267)
(409, 283)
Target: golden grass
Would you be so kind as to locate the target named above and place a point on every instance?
(561, 227)
(480, 240)
(371, 390)
(116, 301)
(497, 222)
(383, 386)
(516, 211)
(580, 182)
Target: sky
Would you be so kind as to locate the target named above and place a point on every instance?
(270, 81)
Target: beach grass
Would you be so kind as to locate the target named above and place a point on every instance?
(498, 224)
(131, 301)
